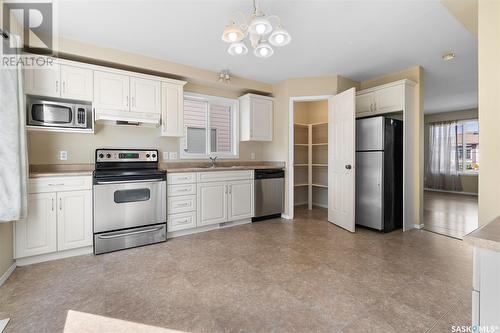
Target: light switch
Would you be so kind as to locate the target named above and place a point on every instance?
(172, 155)
(63, 155)
(252, 156)
(165, 155)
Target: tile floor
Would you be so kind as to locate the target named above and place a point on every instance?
(274, 276)
(450, 214)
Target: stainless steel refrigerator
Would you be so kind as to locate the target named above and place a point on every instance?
(379, 173)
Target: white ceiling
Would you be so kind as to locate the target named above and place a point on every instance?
(357, 39)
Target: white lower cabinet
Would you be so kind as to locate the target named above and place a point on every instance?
(37, 234)
(240, 200)
(57, 220)
(74, 219)
(212, 203)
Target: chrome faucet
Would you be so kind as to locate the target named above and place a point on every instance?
(212, 161)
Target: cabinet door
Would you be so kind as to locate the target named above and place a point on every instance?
(261, 119)
(74, 219)
(43, 81)
(145, 95)
(240, 200)
(111, 91)
(172, 110)
(77, 83)
(364, 103)
(389, 99)
(37, 234)
(212, 203)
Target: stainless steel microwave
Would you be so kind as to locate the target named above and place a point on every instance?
(54, 113)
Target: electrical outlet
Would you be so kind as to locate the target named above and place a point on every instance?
(165, 155)
(63, 155)
(172, 155)
(252, 156)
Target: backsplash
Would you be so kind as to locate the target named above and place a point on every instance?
(44, 147)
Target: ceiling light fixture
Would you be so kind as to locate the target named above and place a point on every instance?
(257, 28)
(224, 76)
(448, 56)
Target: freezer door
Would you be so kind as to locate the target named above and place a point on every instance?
(369, 189)
(370, 134)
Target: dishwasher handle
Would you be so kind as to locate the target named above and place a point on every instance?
(269, 173)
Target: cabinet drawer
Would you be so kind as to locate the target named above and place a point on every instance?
(182, 204)
(183, 189)
(217, 176)
(181, 221)
(58, 184)
(181, 178)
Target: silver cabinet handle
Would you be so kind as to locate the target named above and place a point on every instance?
(60, 203)
(127, 100)
(183, 221)
(52, 204)
(59, 184)
(57, 85)
(129, 233)
(183, 204)
(230, 189)
(64, 87)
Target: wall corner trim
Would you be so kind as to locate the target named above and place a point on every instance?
(6, 275)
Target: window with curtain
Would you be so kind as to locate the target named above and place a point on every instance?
(219, 115)
(468, 146)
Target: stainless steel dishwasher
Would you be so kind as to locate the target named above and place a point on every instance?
(269, 196)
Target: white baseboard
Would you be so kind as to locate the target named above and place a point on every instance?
(6, 275)
(54, 256)
(454, 192)
(197, 230)
(418, 226)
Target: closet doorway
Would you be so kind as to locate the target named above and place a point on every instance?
(310, 150)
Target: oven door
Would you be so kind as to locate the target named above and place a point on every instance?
(44, 113)
(127, 204)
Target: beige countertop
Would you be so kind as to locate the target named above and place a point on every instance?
(487, 236)
(58, 170)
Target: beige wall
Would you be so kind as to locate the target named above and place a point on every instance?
(489, 109)
(6, 247)
(416, 75)
(470, 182)
(44, 147)
(311, 112)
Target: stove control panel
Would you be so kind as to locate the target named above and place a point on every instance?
(126, 155)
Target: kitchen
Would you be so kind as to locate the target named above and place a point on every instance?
(138, 166)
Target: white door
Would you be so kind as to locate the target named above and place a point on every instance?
(341, 153)
(74, 219)
(77, 83)
(364, 103)
(44, 81)
(212, 203)
(111, 91)
(37, 234)
(261, 113)
(145, 95)
(172, 110)
(240, 200)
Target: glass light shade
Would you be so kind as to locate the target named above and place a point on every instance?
(280, 37)
(236, 49)
(260, 26)
(263, 50)
(232, 34)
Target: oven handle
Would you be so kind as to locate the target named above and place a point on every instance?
(129, 181)
(130, 233)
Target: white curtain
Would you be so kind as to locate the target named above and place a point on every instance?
(13, 150)
(442, 163)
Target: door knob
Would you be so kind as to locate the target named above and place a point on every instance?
(348, 167)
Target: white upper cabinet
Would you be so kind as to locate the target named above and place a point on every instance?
(43, 81)
(77, 83)
(74, 219)
(172, 109)
(256, 114)
(111, 91)
(386, 98)
(144, 95)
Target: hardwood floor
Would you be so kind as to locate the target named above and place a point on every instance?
(450, 214)
(272, 276)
